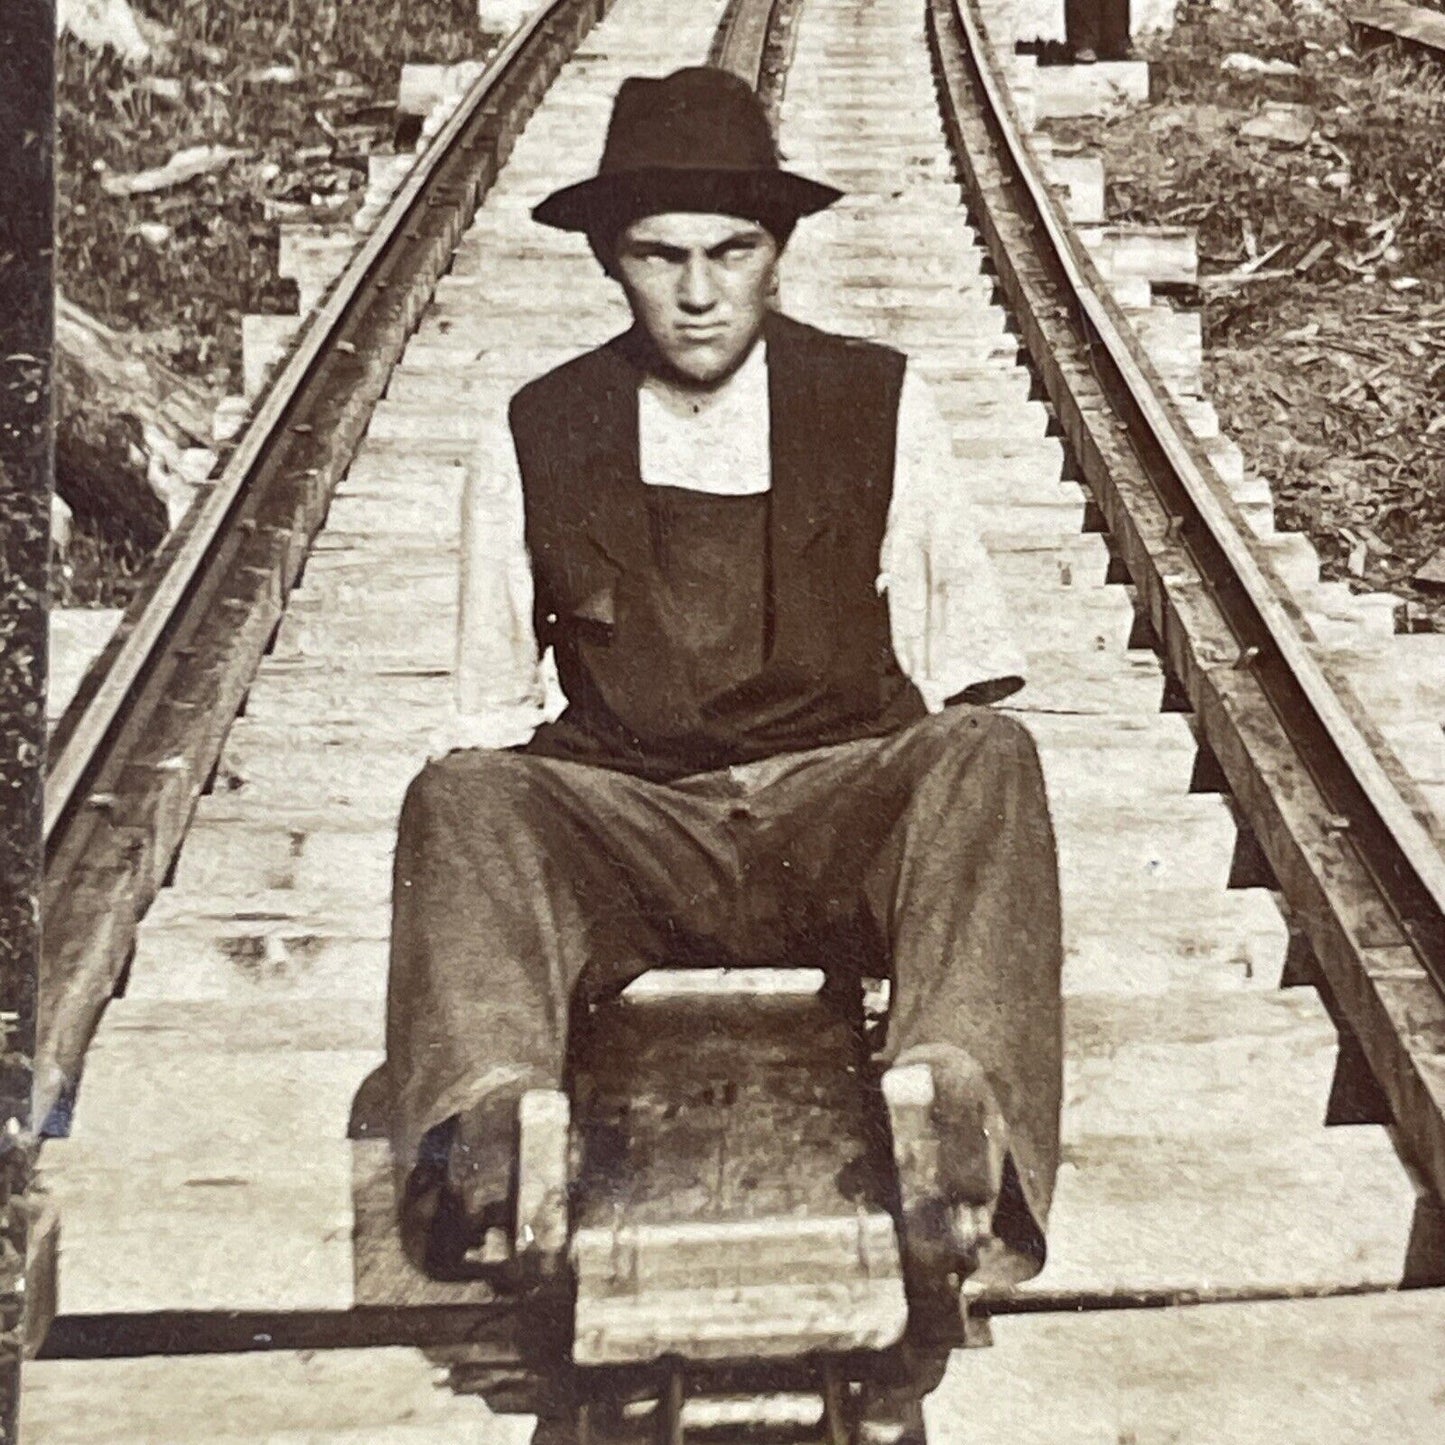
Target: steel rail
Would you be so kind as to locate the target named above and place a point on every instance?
(1272, 620)
(742, 39)
(1362, 875)
(156, 697)
(84, 739)
(754, 41)
(145, 732)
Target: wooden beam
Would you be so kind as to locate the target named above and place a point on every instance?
(1318, 1372)
(1152, 1196)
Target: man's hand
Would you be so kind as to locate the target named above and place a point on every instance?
(990, 690)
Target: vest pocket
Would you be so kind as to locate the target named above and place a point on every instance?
(599, 607)
(588, 604)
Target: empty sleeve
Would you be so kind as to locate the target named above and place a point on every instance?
(949, 617)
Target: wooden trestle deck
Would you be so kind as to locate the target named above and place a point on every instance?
(209, 1176)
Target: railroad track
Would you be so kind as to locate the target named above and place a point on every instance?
(1203, 779)
(313, 246)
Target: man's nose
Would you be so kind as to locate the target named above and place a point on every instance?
(696, 290)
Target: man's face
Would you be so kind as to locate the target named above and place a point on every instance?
(699, 286)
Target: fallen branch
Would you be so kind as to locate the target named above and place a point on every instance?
(132, 437)
(1225, 281)
(185, 165)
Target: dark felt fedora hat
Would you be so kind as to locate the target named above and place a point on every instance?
(696, 140)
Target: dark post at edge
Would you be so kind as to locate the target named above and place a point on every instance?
(27, 39)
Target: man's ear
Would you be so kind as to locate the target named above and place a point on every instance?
(780, 242)
(774, 297)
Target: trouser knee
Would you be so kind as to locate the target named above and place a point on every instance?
(480, 786)
(967, 737)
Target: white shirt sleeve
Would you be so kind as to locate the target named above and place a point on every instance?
(947, 611)
(500, 683)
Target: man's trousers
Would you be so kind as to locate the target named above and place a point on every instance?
(519, 878)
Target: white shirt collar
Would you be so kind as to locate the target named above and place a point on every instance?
(721, 447)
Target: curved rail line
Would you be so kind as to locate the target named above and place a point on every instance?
(1303, 767)
(742, 38)
(143, 735)
(1363, 882)
(88, 733)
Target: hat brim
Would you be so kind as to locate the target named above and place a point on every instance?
(616, 199)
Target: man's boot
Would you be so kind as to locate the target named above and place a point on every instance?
(949, 1146)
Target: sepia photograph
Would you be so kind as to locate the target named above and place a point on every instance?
(724, 721)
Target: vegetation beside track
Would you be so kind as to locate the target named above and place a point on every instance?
(1323, 262)
(304, 93)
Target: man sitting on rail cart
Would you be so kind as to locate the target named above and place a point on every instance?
(738, 527)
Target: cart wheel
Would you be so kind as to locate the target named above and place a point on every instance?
(561, 1430)
(890, 1411)
(840, 1407)
(891, 1415)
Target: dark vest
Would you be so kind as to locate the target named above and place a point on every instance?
(828, 672)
